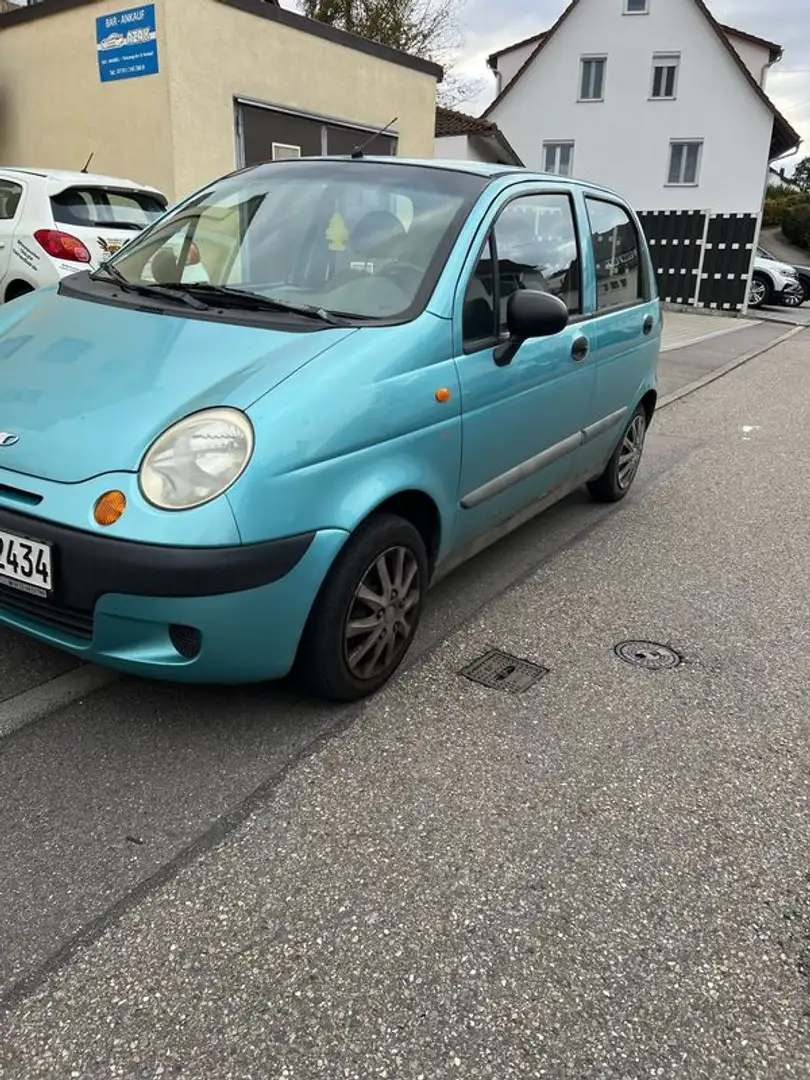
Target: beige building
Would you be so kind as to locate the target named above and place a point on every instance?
(174, 93)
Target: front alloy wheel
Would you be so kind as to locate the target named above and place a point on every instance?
(380, 623)
(759, 291)
(367, 613)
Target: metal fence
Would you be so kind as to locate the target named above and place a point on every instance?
(701, 259)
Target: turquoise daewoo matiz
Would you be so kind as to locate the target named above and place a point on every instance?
(248, 443)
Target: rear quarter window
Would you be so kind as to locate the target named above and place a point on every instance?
(109, 208)
(10, 195)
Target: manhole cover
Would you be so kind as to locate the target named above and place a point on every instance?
(500, 671)
(648, 654)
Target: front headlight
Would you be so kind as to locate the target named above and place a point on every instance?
(196, 459)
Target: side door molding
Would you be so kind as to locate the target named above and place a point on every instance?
(546, 457)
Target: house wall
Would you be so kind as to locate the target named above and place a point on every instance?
(455, 148)
(755, 57)
(623, 142)
(176, 130)
(55, 111)
(277, 64)
(510, 63)
(464, 148)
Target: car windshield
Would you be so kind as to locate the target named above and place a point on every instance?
(361, 238)
(110, 208)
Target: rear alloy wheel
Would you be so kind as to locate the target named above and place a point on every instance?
(797, 299)
(760, 291)
(367, 613)
(618, 477)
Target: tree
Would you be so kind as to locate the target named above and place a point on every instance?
(425, 28)
(801, 174)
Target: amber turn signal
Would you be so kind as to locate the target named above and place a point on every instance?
(443, 395)
(110, 507)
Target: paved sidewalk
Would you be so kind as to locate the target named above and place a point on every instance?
(682, 366)
(788, 316)
(682, 328)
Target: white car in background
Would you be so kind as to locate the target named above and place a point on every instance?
(54, 223)
(774, 282)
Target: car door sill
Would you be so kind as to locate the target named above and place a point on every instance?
(469, 551)
(540, 461)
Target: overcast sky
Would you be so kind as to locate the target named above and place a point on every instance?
(491, 24)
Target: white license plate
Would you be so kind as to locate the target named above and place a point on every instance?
(25, 564)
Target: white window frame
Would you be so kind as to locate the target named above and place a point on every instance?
(684, 142)
(285, 146)
(557, 145)
(665, 60)
(590, 59)
(627, 10)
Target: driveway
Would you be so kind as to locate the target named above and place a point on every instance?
(604, 876)
(772, 240)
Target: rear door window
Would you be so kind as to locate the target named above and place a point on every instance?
(617, 252)
(110, 208)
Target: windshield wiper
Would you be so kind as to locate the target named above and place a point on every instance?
(255, 301)
(112, 273)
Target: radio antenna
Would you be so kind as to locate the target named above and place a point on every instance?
(358, 150)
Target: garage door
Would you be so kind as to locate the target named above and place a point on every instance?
(267, 134)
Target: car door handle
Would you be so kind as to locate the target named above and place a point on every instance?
(580, 348)
(648, 324)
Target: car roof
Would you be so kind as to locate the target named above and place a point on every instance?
(59, 179)
(491, 170)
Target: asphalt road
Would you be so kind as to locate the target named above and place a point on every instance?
(606, 876)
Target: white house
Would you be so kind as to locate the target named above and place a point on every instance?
(777, 179)
(655, 99)
(471, 139)
(652, 97)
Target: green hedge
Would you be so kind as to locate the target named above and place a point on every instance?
(779, 202)
(796, 224)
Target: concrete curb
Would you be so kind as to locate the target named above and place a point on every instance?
(34, 705)
(718, 373)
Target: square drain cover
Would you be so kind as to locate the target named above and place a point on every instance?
(500, 671)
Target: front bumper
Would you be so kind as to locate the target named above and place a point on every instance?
(196, 614)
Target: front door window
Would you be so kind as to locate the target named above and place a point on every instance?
(533, 245)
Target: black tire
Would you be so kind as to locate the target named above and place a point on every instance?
(767, 287)
(17, 289)
(324, 666)
(613, 484)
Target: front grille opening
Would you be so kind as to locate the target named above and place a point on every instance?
(12, 494)
(186, 639)
(69, 621)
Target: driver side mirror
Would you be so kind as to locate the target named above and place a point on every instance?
(530, 314)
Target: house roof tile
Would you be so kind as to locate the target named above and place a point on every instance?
(450, 122)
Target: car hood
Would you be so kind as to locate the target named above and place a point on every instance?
(774, 264)
(86, 387)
